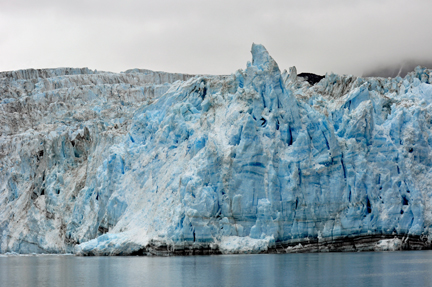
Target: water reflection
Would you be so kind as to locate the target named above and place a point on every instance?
(324, 269)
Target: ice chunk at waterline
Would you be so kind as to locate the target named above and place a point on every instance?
(146, 162)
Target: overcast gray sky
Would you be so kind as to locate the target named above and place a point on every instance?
(213, 37)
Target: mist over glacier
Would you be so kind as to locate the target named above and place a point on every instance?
(143, 162)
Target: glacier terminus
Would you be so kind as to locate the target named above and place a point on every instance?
(155, 163)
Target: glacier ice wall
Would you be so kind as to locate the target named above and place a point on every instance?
(144, 162)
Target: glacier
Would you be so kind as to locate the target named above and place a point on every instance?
(155, 163)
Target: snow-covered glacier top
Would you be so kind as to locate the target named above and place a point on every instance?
(144, 162)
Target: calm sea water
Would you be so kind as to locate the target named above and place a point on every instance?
(409, 268)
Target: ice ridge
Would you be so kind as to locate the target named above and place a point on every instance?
(144, 162)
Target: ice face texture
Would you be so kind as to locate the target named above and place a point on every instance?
(144, 162)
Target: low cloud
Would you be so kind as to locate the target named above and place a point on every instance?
(392, 70)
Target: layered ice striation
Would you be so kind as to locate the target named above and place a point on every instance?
(143, 162)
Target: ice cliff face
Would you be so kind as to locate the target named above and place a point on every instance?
(146, 162)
